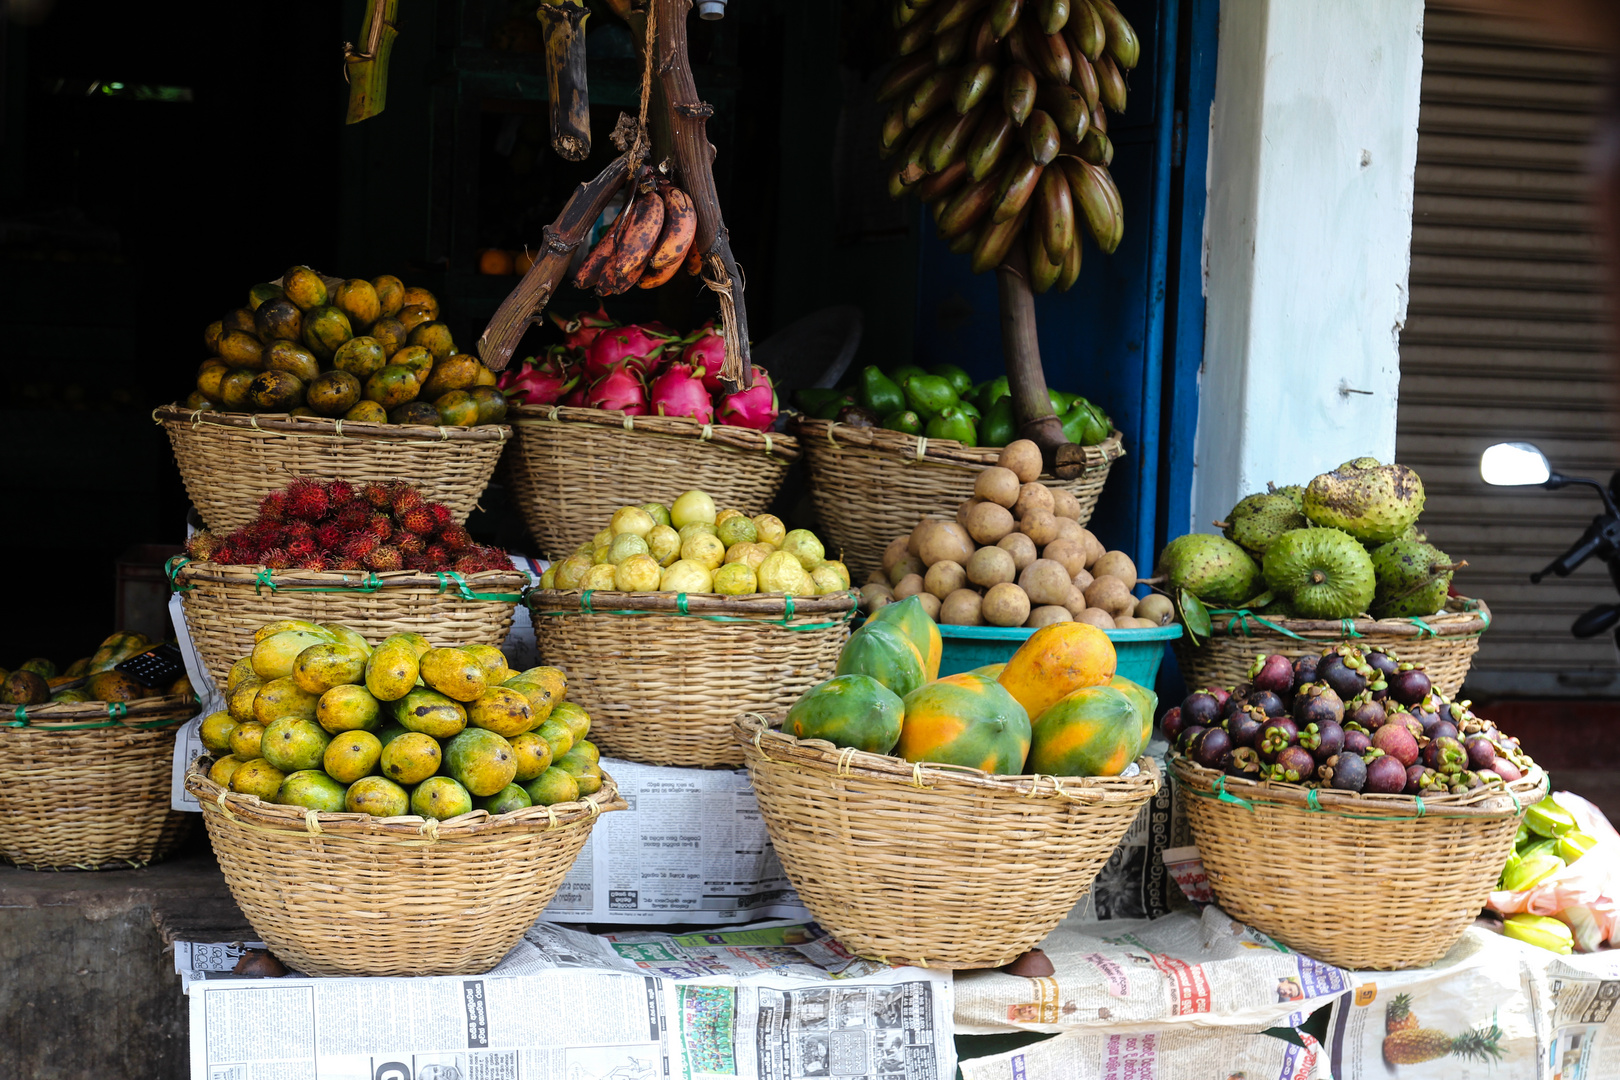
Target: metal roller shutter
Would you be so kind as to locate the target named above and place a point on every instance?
(1507, 338)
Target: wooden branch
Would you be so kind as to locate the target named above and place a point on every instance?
(366, 68)
(525, 303)
(694, 156)
(1026, 379)
(564, 23)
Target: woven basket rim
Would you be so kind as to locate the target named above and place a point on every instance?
(682, 427)
(409, 829)
(285, 424)
(335, 580)
(1512, 800)
(761, 732)
(757, 605)
(1473, 618)
(938, 451)
(72, 715)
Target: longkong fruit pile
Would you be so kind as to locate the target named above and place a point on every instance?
(1000, 123)
(649, 241)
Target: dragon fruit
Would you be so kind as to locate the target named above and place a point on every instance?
(634, 346)
(540, 382)
(584, 327)
(706, 351)
(752, 408)
(575, 398)
(620, 390)
(678, 391)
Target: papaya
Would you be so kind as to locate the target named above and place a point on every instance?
(990, 671)
(361, 357)
(332, 393)
(358, 300)
(848, 710)
(117, 648)
(884, 652)
(1057, 660)
(278, 319)
(325, 330)
(293, 358)
(304, 287)
(1093, 731)
(389, 333)
(913, 620)
(965, 720)
(390, 294)
(1145, 700)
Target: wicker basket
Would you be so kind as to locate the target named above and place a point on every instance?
(350, 894)
(933, 865)
(229, 461)
(1366, 882)
(86, 786)
(1444, 644)
(571, 468)
(224, 605)
(663, 675)
(871, 485)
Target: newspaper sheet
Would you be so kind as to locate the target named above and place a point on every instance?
(1184, 970)
(894, 1025)
(1133, 883)
(1581, 1031)
(1156, 1055)
(691, 848)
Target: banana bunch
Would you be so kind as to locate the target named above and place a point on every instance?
(1000, 123)
(649, 242)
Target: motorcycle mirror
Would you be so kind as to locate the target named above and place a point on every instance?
(1514, 464)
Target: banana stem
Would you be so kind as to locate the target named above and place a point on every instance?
(1026, 380)
(565, 78)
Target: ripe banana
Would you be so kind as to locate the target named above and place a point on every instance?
(1110, 84)
(990, 141)
(995, 241)
(1053, 15)
(1004, 16)
(933, 189)
(1086, 31)
(977, 80)
(1097, 200)
(967, 208)
(694, 261)
(1084, 80)
(1053, 214)
(1043, 272)
(651, 278)
(1041, 137)
(908, 167)
(1053, 60)
(590, 270)
(644, 223)
(1068, 110)
(1017, 185)
(1122, 43)
(1097, 149)
(1071, 266)
(905, 74)
(955, 12)
(949, 141)
(984, 46)
(1018, 93)
(917, 35)
(894, 129)
(951, 46)
(929, 95)
(680, 226)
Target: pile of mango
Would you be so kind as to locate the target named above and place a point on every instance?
(372, 351)
(39, 681)
(942, 402)
(317, 718)
(1056, 707)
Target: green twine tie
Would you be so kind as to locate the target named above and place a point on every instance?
(1424, 629)
(1348, 628)
(1241, 617)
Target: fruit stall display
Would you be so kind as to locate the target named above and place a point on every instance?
(703, 613)
(1340, 559)
(378, 557)
(61, 721)
(1406, 801)
(952, 821)
(361, 800)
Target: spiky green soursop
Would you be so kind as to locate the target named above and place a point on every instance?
(1259, 519)
(1324, 573)
(1372, 502)
(1212, 568)
(1293, 491)
(1412, 577)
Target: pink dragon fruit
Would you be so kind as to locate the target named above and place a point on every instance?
(540, 382)
(620, 390)
(706, 351)
(574, 398)
(584, 327)
(635, 346)
(752, 408)
(678, 391)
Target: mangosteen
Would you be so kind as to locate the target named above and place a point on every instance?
(1211, 748)
(1356, 741)
(1276, 734)
(1236, 698)
(1323, 740)
(1445, 755)
(1397, 742)
(1245, 726)
(1268, 703)
(1339, 670)
(1382, 662)
(1244, 763)
(1421, 780)
(1441, 729)
(1481, 752)
(1344, 772)
(1188, 733)
(1171, 723)
(1200, 707)
(1409, 685)
(1385, 775)
(1507, 770)
(1273, 673)
(1293, 765)
(1365, 711)
(1304, 671)
(1317, 702)
(1407, 721)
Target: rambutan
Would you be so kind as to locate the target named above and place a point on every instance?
(315, 563)
(329, 537)
(417, 563)
(385, 558)
(353, 517)
(441, 514)
(348, 562)
(201, 545)
(273, 507)
(306, 499)
(381, 526)
(299, 530)
(437, 555)
(359, 546)
(377, 495)
(301, 551)
(419, 520)
(339, 492)
(455, 538)
(225, 555)
(406, 498)
(276, 559)
(411, 544)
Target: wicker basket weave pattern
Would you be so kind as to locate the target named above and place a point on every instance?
(1366, 882)
(663, 687)
(229, 461)
(872, 485)
(927, 864)
(347, 894)
(86, 786)
(224, 605)
(570, 469)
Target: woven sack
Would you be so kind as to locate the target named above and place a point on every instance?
(1366, 882)
(229, 461)
(224, 605)
(570, 468)
(350, 894)
(1444, 644)
(933, 865)
(663, 675)
(86, 786)
(871, 485)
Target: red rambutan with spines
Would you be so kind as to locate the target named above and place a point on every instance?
(441, 514)
(273, 506)
(306, 499)
(353, 517)
(276, 559)
(329, 537)
(455, 538)
(377, 495)
(348, 562)
(381, 526)
(339, 492)
(299, 530)
(359, 546)
(419, 520)
(385, 558)
(416, 562)
(301, 551)
(437, 555)
(411, 544)
(225, 555)
(316, 563)
(265, 533)
(406, 498)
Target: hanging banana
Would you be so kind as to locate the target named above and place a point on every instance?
(998, 120)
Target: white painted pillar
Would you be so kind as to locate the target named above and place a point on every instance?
(1313, 149)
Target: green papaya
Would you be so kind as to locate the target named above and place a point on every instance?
(848, 710)
(886, 654)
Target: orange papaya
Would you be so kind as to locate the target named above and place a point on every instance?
(1094, 731)
(965, 720)
(1145, 700)
(1057, 660)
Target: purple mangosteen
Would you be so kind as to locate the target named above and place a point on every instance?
(1356, 741)
(1237, 697)
(1293, 765)
(1267, 702)
(1219, 695)
(1188, 733)
(1409, 685)
(1508, 771)
(1277, 734)
(1382, 662)
(1245, 763)
(1274, 673)
(1481, 752)
(1317, 702)
(1200, 707)
(1421, 780)
(1171, 723)
(1212, 748)
(1441, 729)
(1445, 755)
(1365, 711)
(1304, 671)
(1323, 740)
(1385, 775)
(1344, 772)
(1339, 669)
(1245, 726)
(1396, 742)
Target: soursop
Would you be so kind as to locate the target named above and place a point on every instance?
(1259, 519)
(1413, 579)
(1372, 502)
(1293, 491)
(1212, 568)
(1324, 573)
